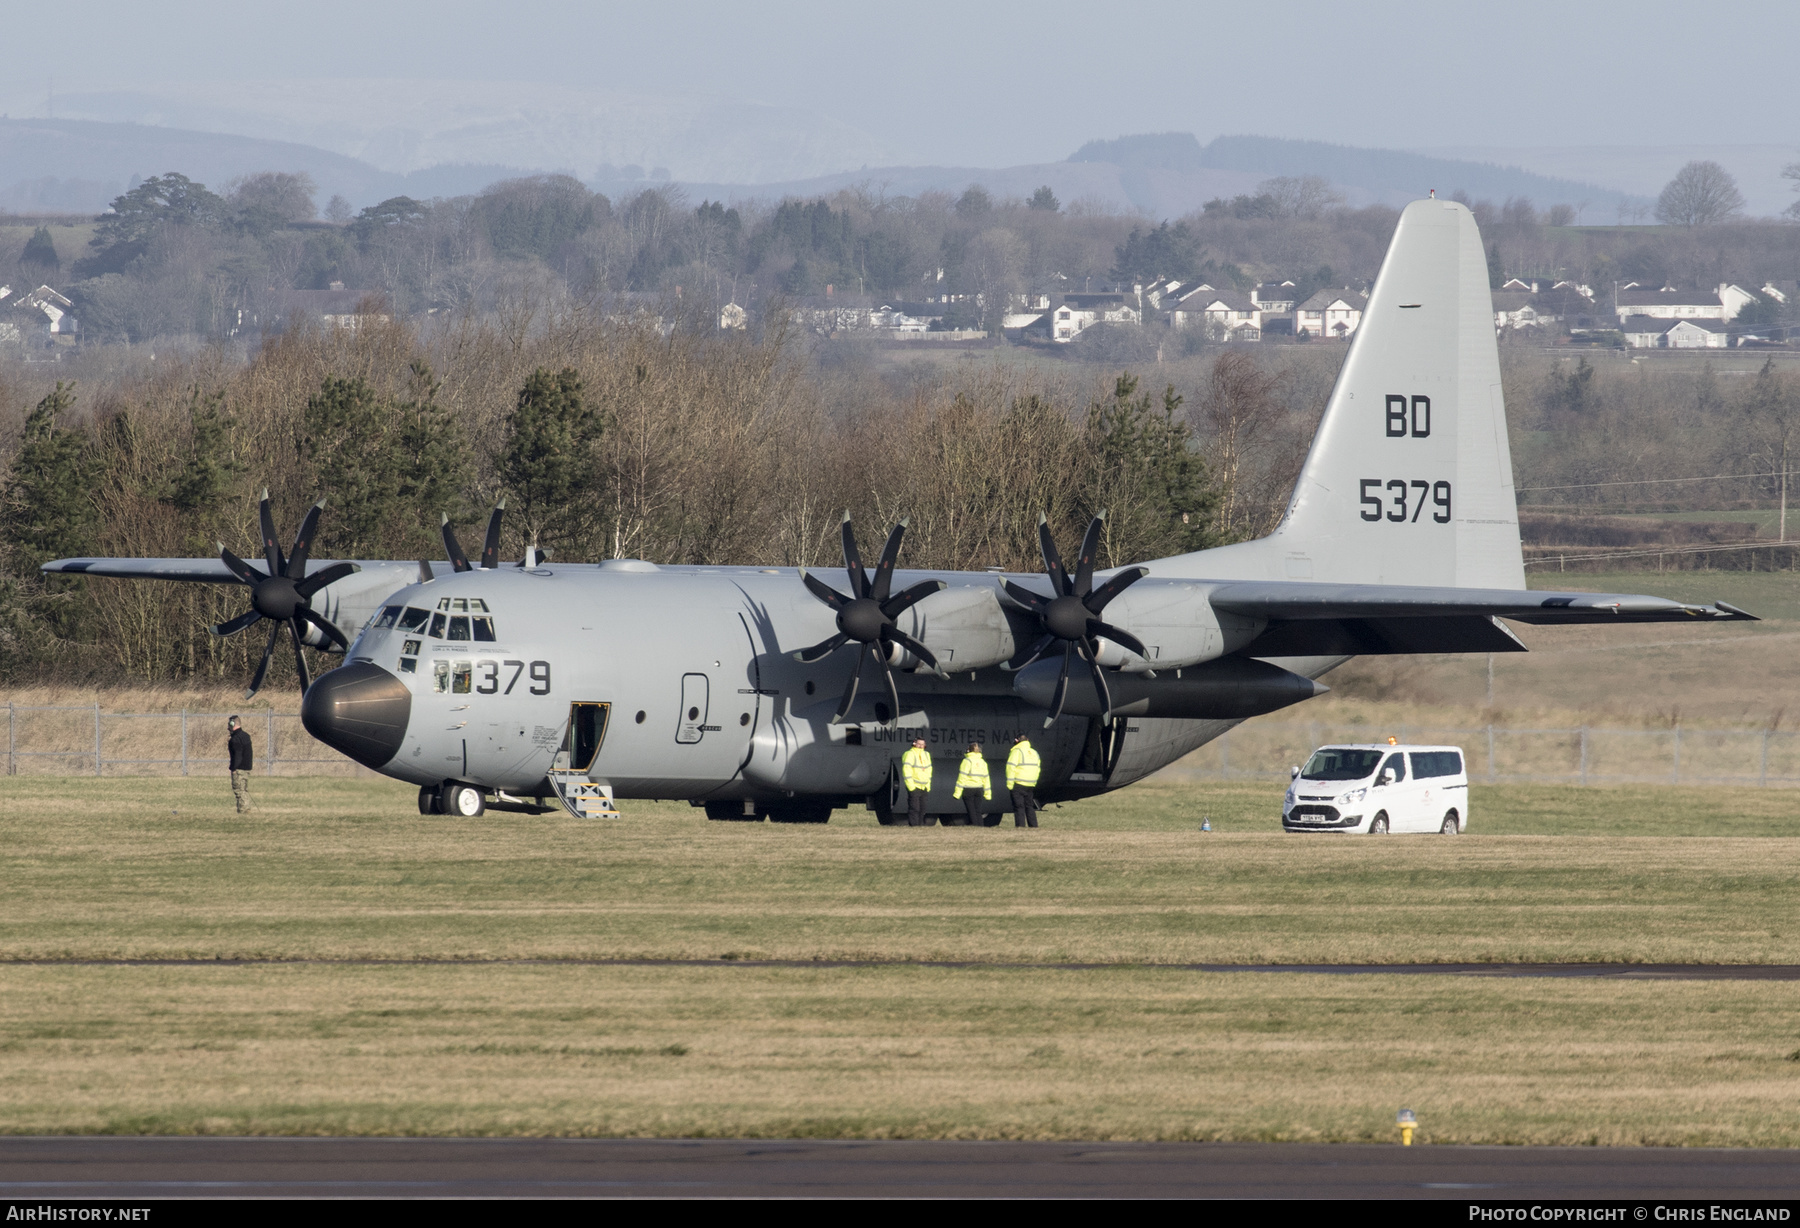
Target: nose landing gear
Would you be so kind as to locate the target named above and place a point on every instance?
(463, 801)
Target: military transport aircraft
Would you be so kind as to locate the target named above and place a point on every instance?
(742, 689)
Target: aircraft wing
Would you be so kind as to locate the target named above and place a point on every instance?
(194, 571)
(1289, 601)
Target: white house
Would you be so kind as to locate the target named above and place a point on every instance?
(1273, 296)
(1225, 316)
(1661, 333)
(733, 318)
(1668, 303)
(1078, 312)
(42, 308)
(1333, 314)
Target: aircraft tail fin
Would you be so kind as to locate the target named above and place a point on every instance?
(1409, 480)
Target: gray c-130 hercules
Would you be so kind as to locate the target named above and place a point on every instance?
(752, 691)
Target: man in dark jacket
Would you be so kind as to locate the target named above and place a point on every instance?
(239, 742)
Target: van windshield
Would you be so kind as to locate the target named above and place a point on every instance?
(1340, 764)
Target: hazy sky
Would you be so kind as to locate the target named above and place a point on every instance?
(1007, 83)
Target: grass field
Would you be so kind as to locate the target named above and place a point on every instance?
(99, 869)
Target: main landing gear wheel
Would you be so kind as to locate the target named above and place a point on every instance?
(730, 812)
(463, 801)
(1451, 826)
(429, 800)
(800, 812)
(1379, 826)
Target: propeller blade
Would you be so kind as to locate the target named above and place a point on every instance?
(893, 607)
(1124, 639)
(821, 650)
(1025, 597)
(453, 548)
(319, 620)
(425, 572)
(1053, 564)
(884, 570)
(823, 591)
(237, 624)
(1030, 654)
(859, 579)
(262, 667)
(242, 570)
(862, 659)
(299, 655)
(887, 671)
(1062, 687)
(303, 540)
(913, 646)
(320, 579)
(1087, 654)
(490, 548)
(1096, 600)
(1090, 546)
(271, 547)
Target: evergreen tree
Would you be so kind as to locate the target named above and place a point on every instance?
(547, 464)
(344, 438)
(208, 472)
(40, 250)
(1496, 273)
(1158, 494)
(49, 509)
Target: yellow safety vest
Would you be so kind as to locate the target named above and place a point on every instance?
(1022, 766)
(973, 774)
(915, 770)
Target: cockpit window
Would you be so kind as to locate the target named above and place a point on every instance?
(414, 620)
(484, 629)
(459, 627)
(440, 676)
(437, 626)
(460, 673)
(387, 617)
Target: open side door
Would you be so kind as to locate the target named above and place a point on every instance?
(586, 730)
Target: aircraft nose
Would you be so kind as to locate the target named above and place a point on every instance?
(359, 709)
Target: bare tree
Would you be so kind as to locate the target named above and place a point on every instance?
(275, 196)
(1307, 197)
(1701, 194)
(1791, 172)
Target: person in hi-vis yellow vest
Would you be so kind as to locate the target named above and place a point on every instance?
(915, 774)
(972, 774)
(1022, 768)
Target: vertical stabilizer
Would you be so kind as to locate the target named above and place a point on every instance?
(1409, 480)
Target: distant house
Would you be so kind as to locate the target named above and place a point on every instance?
(1668, 303)
(1224, 316)
(1333, 314)
(1653, 332)
(336, 307)
(1513, 309)
(41, 311)
(1273, 296)
(733, 318)
(1079, 312)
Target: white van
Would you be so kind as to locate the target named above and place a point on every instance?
(1378, 789)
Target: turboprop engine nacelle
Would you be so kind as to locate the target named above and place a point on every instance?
(1177, 624)
(964, 625)
(1231, 688)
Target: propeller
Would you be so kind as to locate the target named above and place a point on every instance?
(867, 616)
(490, 548)
(1072, 615)
(283, 594)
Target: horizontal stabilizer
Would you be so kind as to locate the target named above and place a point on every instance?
(1275, 599)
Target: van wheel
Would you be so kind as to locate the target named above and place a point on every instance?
(1378, 825)
(1451, 825)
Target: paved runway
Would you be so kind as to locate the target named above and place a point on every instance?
(135, 1168)
(1659, 972)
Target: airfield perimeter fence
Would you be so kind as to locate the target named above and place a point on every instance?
(88, 741)
(1265, 750)
(70, 741)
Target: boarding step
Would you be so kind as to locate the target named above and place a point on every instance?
(582, 797)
